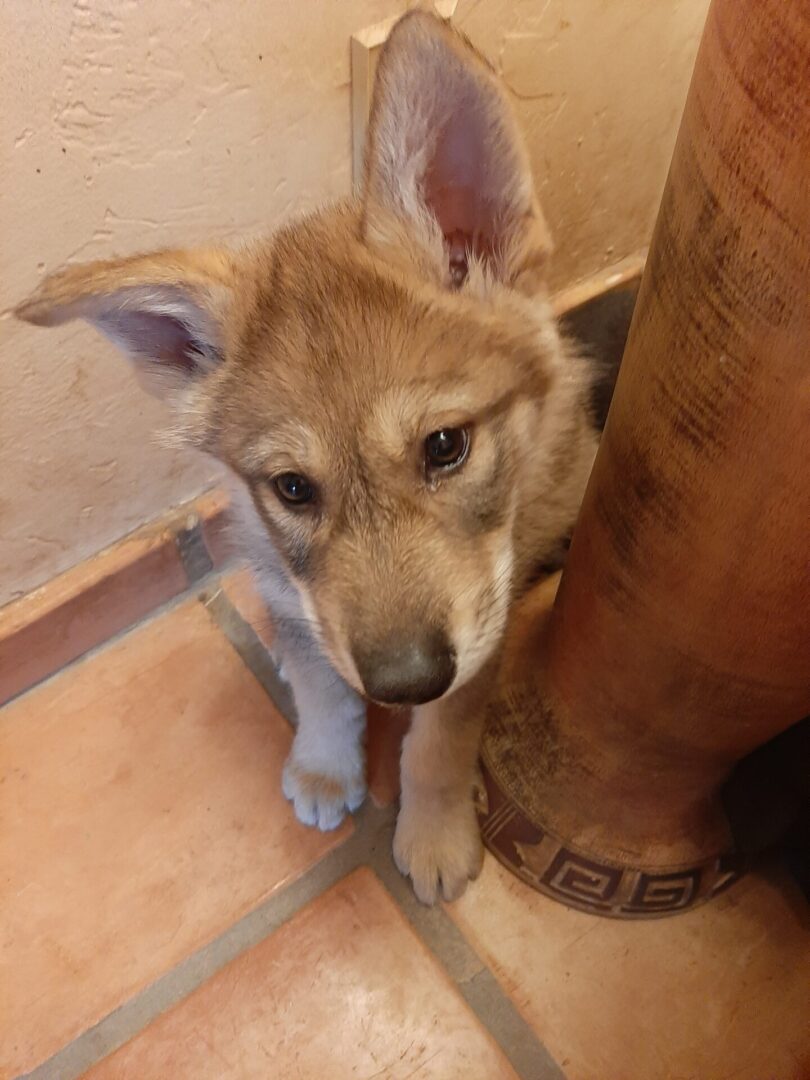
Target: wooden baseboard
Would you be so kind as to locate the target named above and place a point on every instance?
(78, 610)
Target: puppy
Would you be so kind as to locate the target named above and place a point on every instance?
(408, 436)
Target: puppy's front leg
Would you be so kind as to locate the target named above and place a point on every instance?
(437, 840)
(325, 773)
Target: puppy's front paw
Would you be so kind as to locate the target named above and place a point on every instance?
(321, 799)
(438, 848)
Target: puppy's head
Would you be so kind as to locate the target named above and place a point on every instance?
(375, 373)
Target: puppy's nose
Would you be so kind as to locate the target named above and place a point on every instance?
(407, 669)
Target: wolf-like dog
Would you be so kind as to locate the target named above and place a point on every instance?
(407, 433)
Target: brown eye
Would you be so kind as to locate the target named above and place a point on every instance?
(294, 488)
(447, 449)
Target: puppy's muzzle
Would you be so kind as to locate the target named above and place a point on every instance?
(407, 668)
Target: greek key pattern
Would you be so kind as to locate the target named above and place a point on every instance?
(581, 881)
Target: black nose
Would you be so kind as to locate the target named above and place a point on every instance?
(407, 669)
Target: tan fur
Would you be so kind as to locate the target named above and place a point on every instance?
(332, 350)
(315, 786)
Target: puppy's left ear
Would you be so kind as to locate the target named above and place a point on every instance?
(447, 174)
(167, 312)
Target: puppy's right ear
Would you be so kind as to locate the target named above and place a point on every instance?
(167, 312)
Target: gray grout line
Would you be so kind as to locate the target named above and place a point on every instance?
(436, 929)
(193, 552)
(251, 649)
(526, 1053)
(170, 989)
(369, 845)
(476, 983)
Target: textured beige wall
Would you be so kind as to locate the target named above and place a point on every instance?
(128, 124)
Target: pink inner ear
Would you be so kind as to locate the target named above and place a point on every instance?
(158, 338)
(456, 189)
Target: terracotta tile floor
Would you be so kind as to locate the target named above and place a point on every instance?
(314, 999)
(719, 992)
(142, 815)
(163, 915)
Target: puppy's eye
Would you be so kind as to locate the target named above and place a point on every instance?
(294, 488)
(447, 449)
